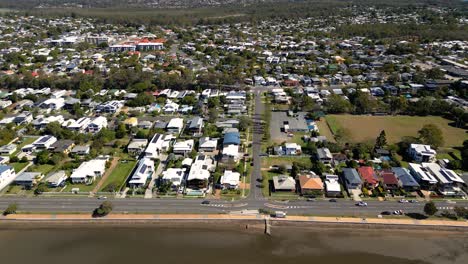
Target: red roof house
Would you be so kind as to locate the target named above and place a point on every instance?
(368, 175)
(389, 180)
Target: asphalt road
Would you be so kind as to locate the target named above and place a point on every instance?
(135, 205)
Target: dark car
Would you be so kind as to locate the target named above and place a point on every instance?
(386, 213)
(332, 200)
(205, 202)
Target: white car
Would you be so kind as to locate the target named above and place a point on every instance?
(361, 204)
(403, 201)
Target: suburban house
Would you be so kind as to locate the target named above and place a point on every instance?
(183, 147)
(57, 179)
(154, 148)
(62, 146)
(143, 172)
(42, 143)
(207, 144)
(352, 179)
(449, 182)
(332, 185)
(324, 155)
(23, 118)
(28, 179)
(97, 124)
(422, 153)
(7, 175)
(175, 176)
(284, 183)
(289, 149)
(310, 184)
(368, 176)
(200, 171)
(407, 182)
(88, 171)
(230, 180)
(195, 125)
(80, 125)
(389, 180)
(81, 150)
(231, 144)
(136, 146)
(175, 125)
(110, 107)
(425, 179)
(7, 150)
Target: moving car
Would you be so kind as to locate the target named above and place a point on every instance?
(414, 201)
(205, 202)
(332, 200)
(386, 213)
(102, 197)
(398, 212)
(403, 201)
(361, 204)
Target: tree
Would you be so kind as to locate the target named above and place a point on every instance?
(461, 212)
(336, 104)
(41, 188)
(430, 208)
(381, 140)
(244, 123)
(121, 131)
(104, 209)
(398, 104)
(11, 209)
(430, 134)
(42, 157)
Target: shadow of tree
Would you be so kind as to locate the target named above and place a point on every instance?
(417, 216)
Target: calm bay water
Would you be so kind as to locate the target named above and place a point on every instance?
(116, 245)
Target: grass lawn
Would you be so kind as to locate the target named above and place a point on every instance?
(14, 189)
(18, 166)
(82, 187)
(365, 128)
(267, 162)
(26, 141)
(119, 174)
(44, 169)
(324, 130)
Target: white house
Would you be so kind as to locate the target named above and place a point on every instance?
(80, 125)
(290, 149)
(142, 173)
(230, 180)
(424, 178)
(332, 186)
(175, 176)
(53, 103)
(44, 142)
(200, 171)
(175, 125)
(154, 148)
(449, 181)
(207, 145)
(7, 150)
(97, 124)
(88, 171)
(7, 175)
(422, 153)
(230, 154)
(183, 147)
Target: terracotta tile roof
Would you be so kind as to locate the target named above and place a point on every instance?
(367, 173)
(310, 183)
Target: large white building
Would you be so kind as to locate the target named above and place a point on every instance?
(143, 172)
(230, 180)
(97, 124)
(88, 171)
(422, 153)
(7, 175)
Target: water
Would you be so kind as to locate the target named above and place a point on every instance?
(117, 245)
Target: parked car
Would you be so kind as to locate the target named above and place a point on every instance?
(403, 201)
(398, 212)
(205, 202)
(361, 204)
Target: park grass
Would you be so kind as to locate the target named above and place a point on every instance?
(18, 166)
(267, 162)
(119, 174)
(364, 128)
(324, 130)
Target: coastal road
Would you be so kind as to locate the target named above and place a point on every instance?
(140, 205)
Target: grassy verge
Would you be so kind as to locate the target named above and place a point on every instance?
(18, 166)
(119, 174)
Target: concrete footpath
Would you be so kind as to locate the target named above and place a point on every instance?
(195, 217)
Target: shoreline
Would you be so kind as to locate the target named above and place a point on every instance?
(250, 223)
